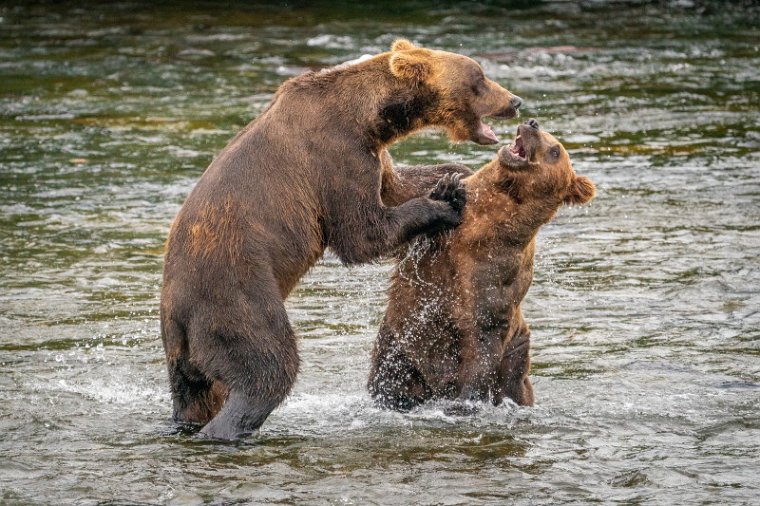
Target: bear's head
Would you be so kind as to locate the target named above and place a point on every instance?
(462, 94)
(536, 167)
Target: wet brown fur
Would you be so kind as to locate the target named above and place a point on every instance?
(454, 328)
(304, 176)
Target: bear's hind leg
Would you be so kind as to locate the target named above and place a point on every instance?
(196, 399)
(258, 362)
(514, 371)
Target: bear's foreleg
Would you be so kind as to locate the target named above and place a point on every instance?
(366, 230)
(405, 183)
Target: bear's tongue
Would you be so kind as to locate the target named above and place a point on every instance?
(486, 135)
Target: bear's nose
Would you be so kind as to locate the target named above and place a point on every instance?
(532, 123)
(515, 102)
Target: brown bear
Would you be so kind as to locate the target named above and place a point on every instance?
(453, 328)
(304, 176)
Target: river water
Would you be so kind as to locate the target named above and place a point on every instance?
(645, 307)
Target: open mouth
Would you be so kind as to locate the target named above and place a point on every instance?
(486, 134)
(517, 149)
(518, 154)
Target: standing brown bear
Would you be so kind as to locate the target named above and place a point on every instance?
(306, 175)
(453, 328)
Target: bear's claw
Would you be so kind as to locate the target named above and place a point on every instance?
(451, 190)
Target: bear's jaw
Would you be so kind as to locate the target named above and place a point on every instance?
(517, 150)
(527, 145)
(484, 134)
(516, 156)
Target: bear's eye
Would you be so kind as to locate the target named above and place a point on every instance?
(554, 152)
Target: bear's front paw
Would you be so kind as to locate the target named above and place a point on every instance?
(451, 190)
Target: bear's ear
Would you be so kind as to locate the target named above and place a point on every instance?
(581, 191)
(411, 66)
(402, 45)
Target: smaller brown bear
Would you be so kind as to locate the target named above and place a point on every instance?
(453, 328)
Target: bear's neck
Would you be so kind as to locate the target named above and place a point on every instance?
(402, 113)
(520, 213)
(362, 101)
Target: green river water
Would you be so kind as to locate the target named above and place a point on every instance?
(645, 307)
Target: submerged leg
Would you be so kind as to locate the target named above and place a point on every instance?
(394, 382)
(514, 370)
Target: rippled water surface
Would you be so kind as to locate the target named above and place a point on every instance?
(645, 307)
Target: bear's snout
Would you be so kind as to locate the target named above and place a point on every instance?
(515, 102)
(511, 110)
(532, 123)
